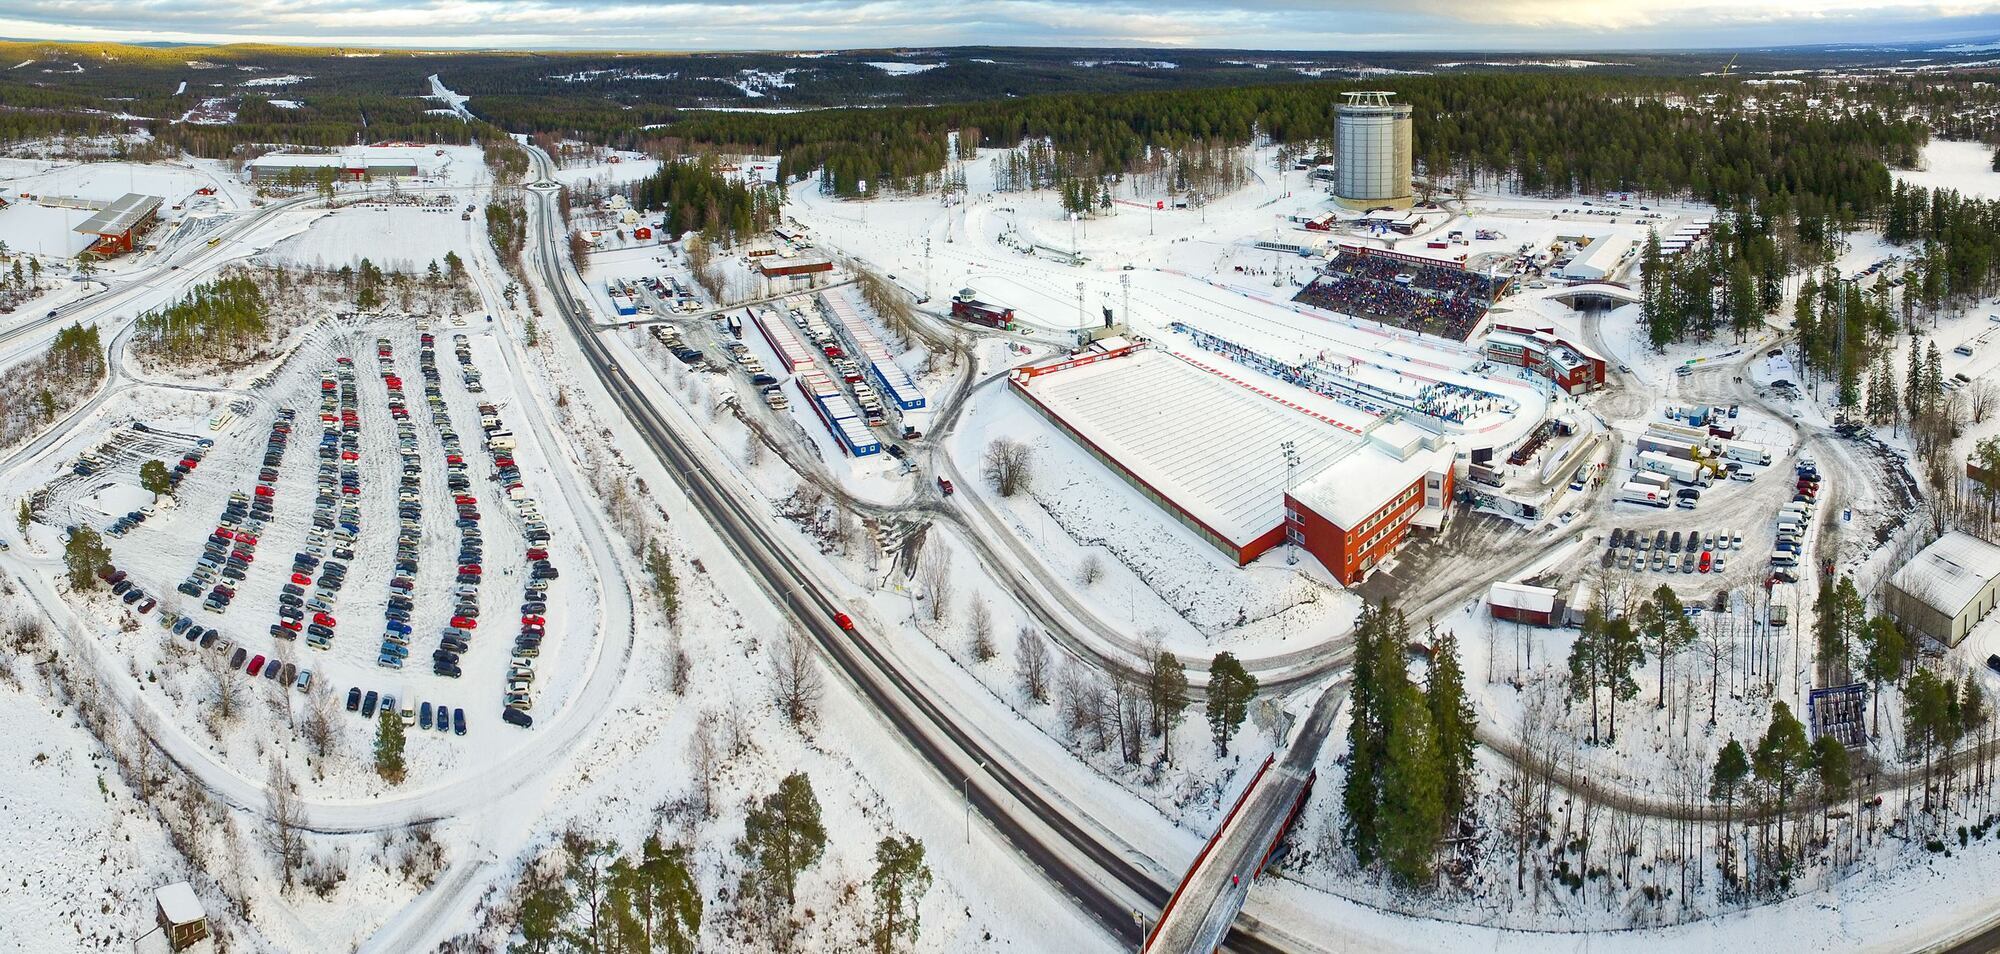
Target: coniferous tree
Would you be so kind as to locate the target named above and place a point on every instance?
(1413, 799)
(1453, 721)
(1230, 689)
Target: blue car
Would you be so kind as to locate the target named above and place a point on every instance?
(424, 716)
(458, 721)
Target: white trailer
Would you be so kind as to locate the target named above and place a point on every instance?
(1646, 494)
(1661, 481)
(1747, 452)
(1685, 471)
(1669, 445)
(1695, 434)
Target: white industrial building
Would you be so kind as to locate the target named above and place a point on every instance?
(1946, 589)
(1598, 260)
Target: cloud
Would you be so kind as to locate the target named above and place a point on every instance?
(813, 24)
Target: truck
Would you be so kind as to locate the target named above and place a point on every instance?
(1684, 471)
(735, 326)
(1646, 494)
(1747, 452)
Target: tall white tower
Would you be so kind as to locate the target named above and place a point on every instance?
(1372, 144)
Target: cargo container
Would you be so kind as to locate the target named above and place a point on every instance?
(1646, 494)
(792, 353)
(867, 349)
(838, 414)
(1671, 446)
(1648, 477)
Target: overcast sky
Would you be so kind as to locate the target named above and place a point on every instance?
(823, 24)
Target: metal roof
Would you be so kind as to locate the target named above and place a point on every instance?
(120, 215)
(1950, 573)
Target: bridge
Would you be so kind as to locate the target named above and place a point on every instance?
(1596, 295)
(1210, 896)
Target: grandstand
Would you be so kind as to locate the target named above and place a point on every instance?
(1404, 291)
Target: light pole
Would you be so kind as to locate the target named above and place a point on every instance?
(1291, 452)
(965, 788)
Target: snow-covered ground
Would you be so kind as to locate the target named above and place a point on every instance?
(1955, 164)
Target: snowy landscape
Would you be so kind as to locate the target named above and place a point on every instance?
(1199, 517)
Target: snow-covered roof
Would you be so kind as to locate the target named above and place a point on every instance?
(120, 215)
(1207, 444)
(1360, 484)
(1520, 596)
(1950, 573)
(178, 903)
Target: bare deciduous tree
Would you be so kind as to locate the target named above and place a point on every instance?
(228, 694)
(316, 725)
(795, 680)
(1007, 466)
(980, 621)
(1031, 657)
(1091, 570)
(286, 830)
(938, 583)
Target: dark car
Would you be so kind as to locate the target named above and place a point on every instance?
(443, 717)
(458, 721)
(424, 716)
(1674, 542)
(513, 716)
(1993, 662)
(368, 705)
(236, 658)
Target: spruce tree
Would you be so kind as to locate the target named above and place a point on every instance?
(1782, 757)
(1360, 793)
(82, 555)
(1413, 800)
(900, 881)
(1453, 720)
(389, 746)
(782, 837)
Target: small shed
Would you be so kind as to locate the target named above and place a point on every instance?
(1521, 603)
(179, 914)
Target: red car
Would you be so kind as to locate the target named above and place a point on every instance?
(349, 455)
(470, 569)
(225, 533)
(465, 499)
(291, 624)
(537, 553)
(944, 485)
(256, 665)
(454, 459)
(841, 620)
(322, 619)
(246, 539)
(264, 490)
(532, 620)
(351, 490)
(464, 622)
(832, 351)
(1705, 563)
(302, 579)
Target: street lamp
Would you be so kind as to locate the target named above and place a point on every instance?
(965, 789)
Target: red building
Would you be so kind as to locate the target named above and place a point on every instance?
(776, 266)
(1354, 514)
(1573, 367)
(1520, 603)
(966, 306)
(115, 224)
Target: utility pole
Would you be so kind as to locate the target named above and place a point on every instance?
(1125, 307)
(1082, 321)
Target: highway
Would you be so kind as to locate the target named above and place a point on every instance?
(1098, 876)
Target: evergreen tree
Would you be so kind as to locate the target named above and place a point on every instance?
(1167, 698)
(1452, 719)
(1830, 765)
(1366, 739)
(1413, 806)
(83, 553)
(1230, 689)
(1619, 651)
(153, 476)
(900, 882)
(23, 516)
(1883, 661)
(655, 902)
(389, 746)
(1732, 769)
(1663, 622)
(782, 837)
(1781, 760)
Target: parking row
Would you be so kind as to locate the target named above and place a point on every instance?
(455, 639)
(518, 698)
(336, 517)
(367, 702)
(395, 646)
(232, 546)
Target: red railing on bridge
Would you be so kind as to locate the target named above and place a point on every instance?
(1208, 847)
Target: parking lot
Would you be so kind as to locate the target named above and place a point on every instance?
(363, 522)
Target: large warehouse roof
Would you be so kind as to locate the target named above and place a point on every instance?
(1950, 573)
(121, 215)
(1208, 445)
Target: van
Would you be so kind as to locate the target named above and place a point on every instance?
(1784, 560)
(1964, 350)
